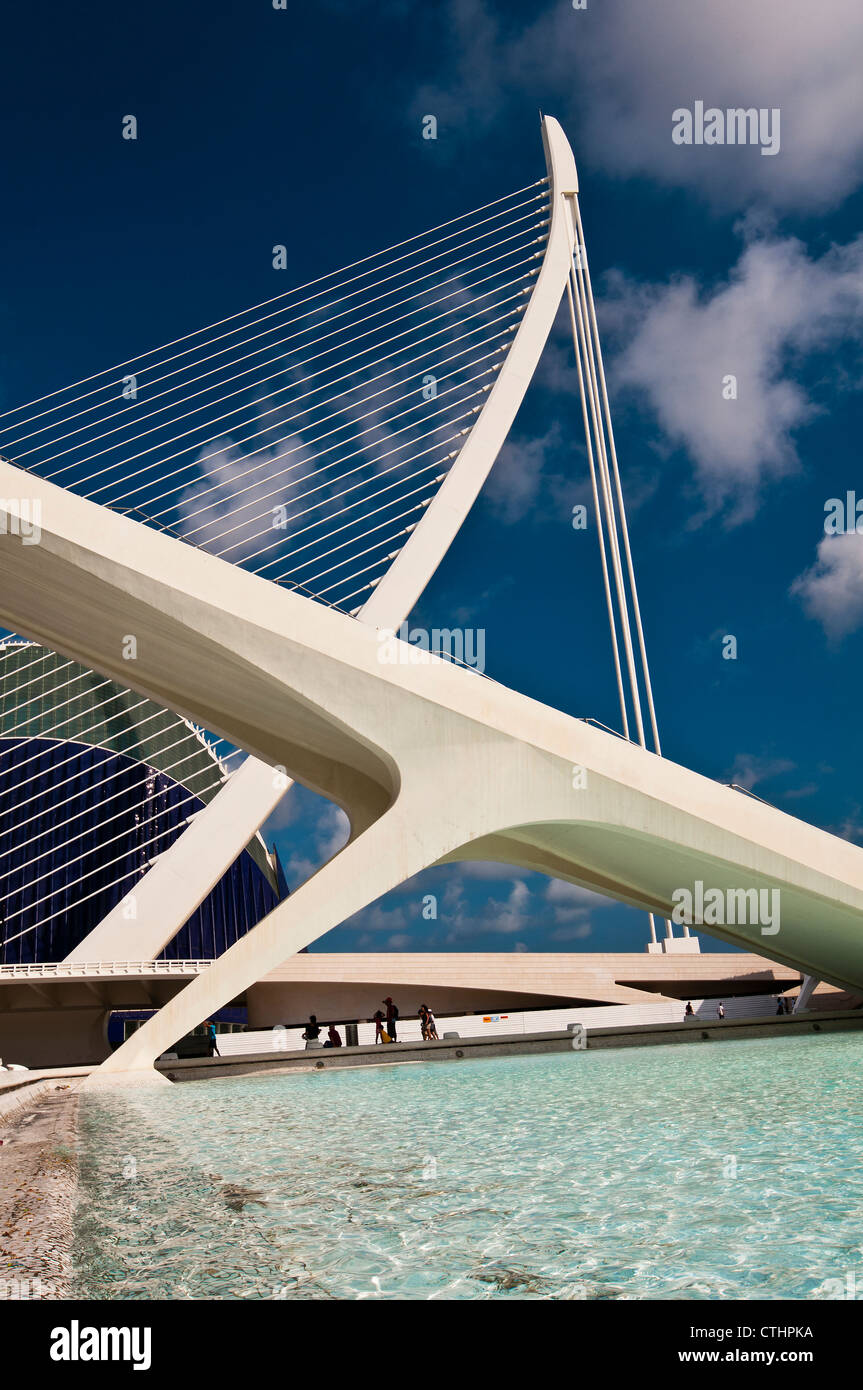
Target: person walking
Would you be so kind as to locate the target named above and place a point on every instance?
(392, 1017)
(720, 1012)
(379, 1026)
(431, 1026)
(211, 1038)
(423, 1013)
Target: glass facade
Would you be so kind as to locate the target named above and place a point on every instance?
(96, 781)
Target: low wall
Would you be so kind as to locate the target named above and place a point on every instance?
(501, 1023)
(409, 1053)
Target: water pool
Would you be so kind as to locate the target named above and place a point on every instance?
(722, 1171)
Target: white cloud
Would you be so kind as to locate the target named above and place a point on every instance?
(379, 918)
(522, 469)
(511, 906)
(851, 827)
(777, 306)
(513, 914)
(332, 832)
(572, 907)
(230, 509)
(516, 912)
(559, 891)
(615, 72)
(748, 771)
(831, 591)
(648, 60)
(287, 813)
(298, 868)
(520, 911)
(579, 932)
(325, 837)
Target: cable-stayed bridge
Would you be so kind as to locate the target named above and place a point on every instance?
(257, 552)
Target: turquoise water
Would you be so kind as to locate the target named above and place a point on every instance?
(690, 1172)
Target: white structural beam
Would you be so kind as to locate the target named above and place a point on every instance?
(807, 989)
(181, 878)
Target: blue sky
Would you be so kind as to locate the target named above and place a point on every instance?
(303, 127)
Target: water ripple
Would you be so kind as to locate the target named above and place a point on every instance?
(731, 1172)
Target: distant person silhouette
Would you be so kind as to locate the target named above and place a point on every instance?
(313, 1030)
(392, 1017)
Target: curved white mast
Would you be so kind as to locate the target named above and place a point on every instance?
(411, 571)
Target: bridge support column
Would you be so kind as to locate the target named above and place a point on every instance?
(405, 840)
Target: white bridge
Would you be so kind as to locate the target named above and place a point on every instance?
(158, 523)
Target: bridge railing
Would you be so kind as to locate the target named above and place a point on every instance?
(63, 969)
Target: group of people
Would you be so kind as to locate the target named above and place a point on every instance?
(313, 1033)
(386, 1026)
(386, 1023)
(428, 1026)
